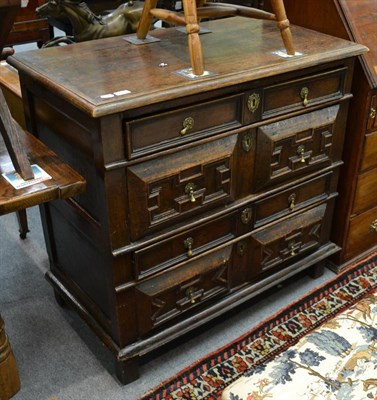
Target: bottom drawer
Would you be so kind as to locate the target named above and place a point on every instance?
(162, 298)
(288, 240)
(192, 283)
(362, 234)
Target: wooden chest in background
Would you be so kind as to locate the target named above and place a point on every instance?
(28, 27)
(355, 218)
(201, 193)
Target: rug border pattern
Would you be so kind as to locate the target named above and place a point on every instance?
(329, 290)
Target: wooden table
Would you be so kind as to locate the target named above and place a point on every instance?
(64, 183)
(19, 150)
(10, 86)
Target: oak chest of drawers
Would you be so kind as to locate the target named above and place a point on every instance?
(355, 219)
(201, 193)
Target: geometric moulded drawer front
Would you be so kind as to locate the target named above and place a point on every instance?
(162, 191)
(292, 147)
(288, 239)
(167, 296)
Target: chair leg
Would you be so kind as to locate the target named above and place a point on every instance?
(22, 223)
(194, 43)
(283, 25)
(145, 19)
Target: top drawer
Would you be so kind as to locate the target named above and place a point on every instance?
(304, 92)
(150, 134)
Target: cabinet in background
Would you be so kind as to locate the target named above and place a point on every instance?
(28, 27)
(201, 193)
(355, 218)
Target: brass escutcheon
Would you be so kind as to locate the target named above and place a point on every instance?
(304, 93)
(301, 152)
(188, 245)
(241, 247)
(247, 142)
(189, 189)
(253, 102)
(372, 113)
(246, 215)
(188, 124)
(373, 225)
(292, 201)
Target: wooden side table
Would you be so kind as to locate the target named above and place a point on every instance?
(19, 150)
(64, 183)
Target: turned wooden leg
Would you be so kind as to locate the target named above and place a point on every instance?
(22, 223)
(145, 19)
(283, 25)
(194, 43)
(9, 379)
(127, 371)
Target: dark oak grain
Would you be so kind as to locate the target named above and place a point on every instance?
(179, 224)
(354, 20)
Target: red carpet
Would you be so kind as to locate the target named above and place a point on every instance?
(206, 379)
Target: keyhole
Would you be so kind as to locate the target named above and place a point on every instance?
(253, 102)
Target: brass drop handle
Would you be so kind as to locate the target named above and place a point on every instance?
(304, 93)
(190, 293)
(292, 201)
(188, 243)
(189, 189)
(373, 225)
(301, 152)
(188, 124)
(372, 113)
(291, 247)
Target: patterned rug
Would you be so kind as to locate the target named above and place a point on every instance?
(351, 291)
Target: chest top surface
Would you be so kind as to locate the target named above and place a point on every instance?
(237, 50)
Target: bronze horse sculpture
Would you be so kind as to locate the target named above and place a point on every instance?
(87, 25)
